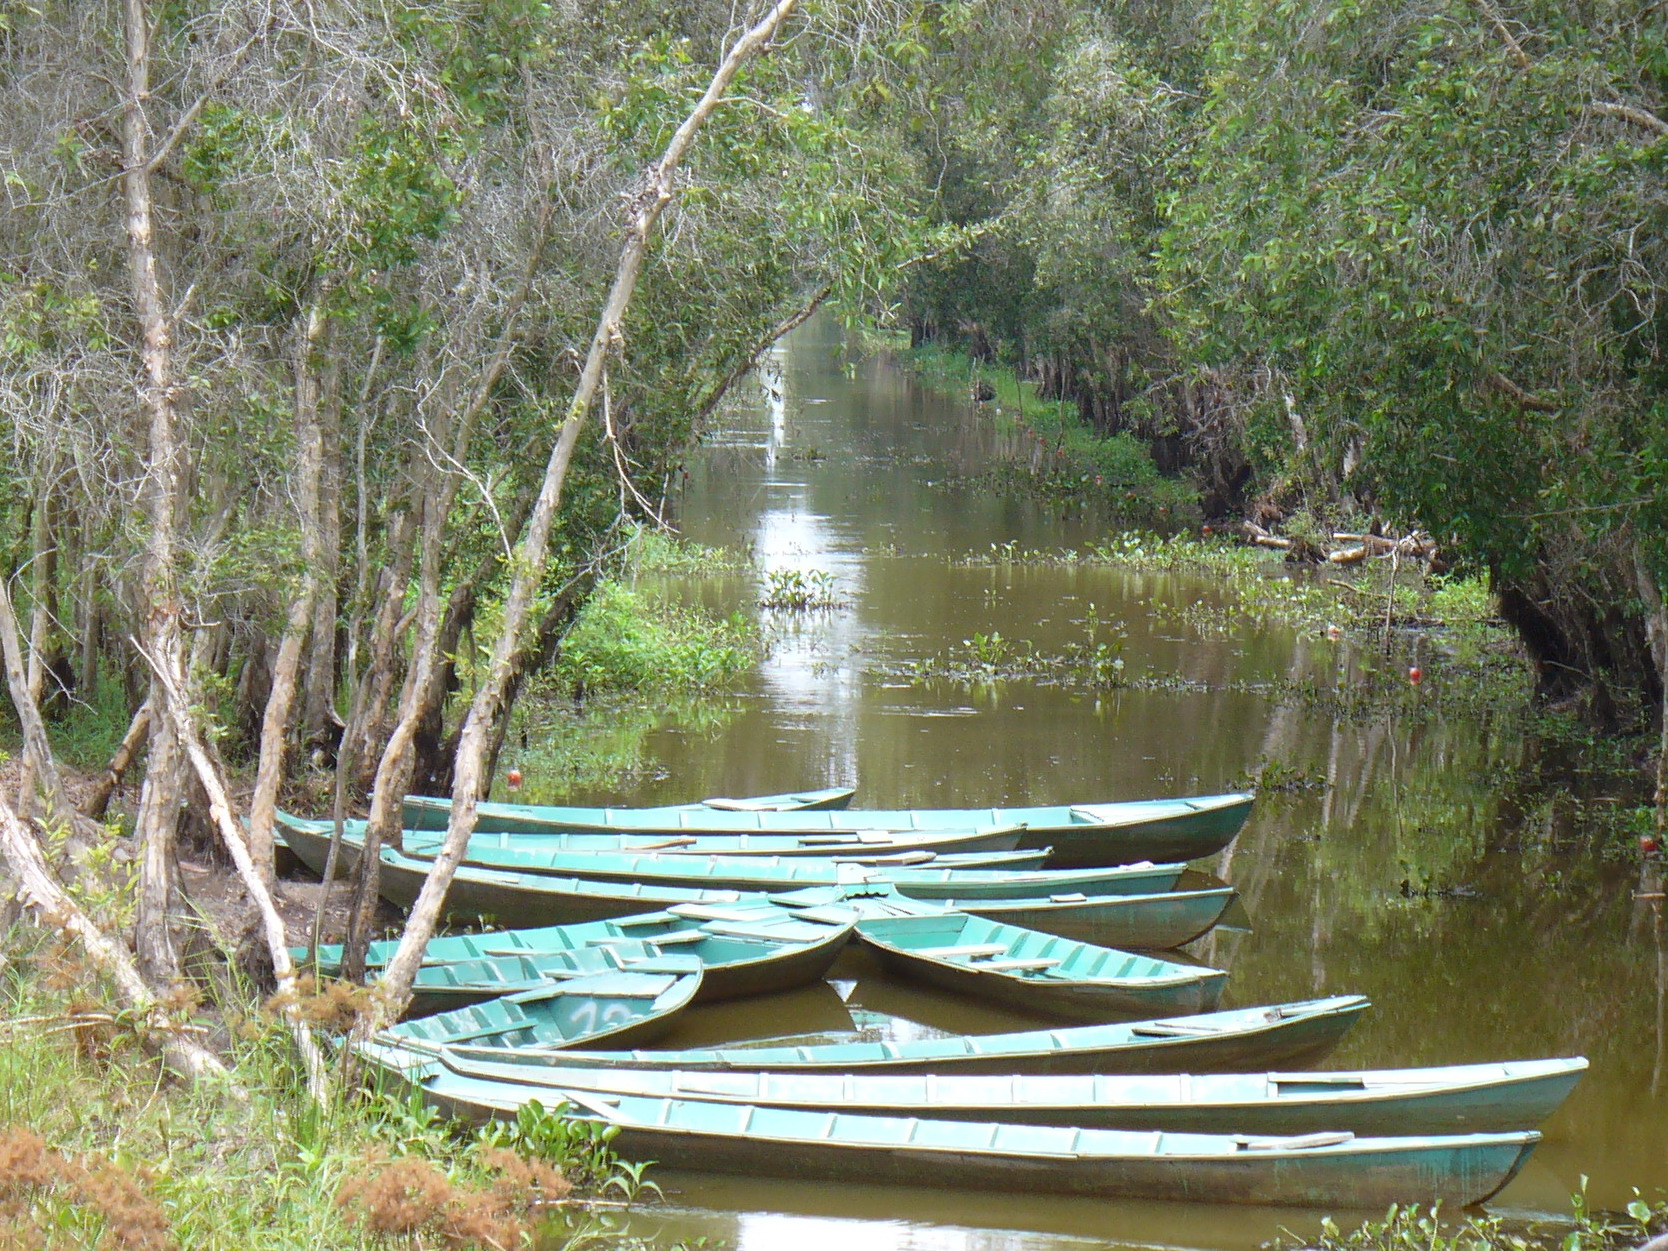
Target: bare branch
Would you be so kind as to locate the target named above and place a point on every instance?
(1517, 394)
(1627, 113)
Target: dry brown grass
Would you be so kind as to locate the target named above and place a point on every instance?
(411, 1198)
(326, 1003)
(32, 1175)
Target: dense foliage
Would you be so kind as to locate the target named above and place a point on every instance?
(1347, 258)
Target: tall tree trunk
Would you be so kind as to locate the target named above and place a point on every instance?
(394, 990)
(393, 774)
(275, 727)
(161, 629)
(209, 775)
(92, 616)
(319, 720)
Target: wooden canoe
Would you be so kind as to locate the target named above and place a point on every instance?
(1330, 1170)
(513, 899)
(1146, 921)
(1078, 835)
(638, 1004)
(309, 840)
(1036, 972)
(1154, 922)
(1471, 1098)
(1241, 1040)
(994, 876)
(669, 927)
(752, 956)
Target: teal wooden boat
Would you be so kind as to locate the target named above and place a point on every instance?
(668, 927)
(513, 900)
(1146, 921)
(751, 955)
(923, 875)
(1153, 922)
(310, 840)
(534, 899)
(1078, 835)
(1241, 1040)
(637, 1004)
(1331, 1170)
(749, 946)
(1036, 972)
(516, 900)
(1470, 1098)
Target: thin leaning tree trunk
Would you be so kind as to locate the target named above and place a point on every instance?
(249, 869)
(98, 799)
(425, 679)
(394, 990)
(318, 687)
(275, 725)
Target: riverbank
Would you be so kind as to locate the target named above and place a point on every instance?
(98, 1147)
(1060, 458)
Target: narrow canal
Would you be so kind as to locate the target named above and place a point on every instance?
(1527, 949)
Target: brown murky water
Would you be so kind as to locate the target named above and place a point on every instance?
(1544, 952)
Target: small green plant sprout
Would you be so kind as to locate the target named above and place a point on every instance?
(798, 590)
(989, 651)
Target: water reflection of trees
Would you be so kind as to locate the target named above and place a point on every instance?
(1441, 870)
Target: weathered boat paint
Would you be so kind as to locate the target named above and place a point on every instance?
(1037, 972)
(1332, 1170)
(1079, 835)
(1470, 1098)
(1240, 1040)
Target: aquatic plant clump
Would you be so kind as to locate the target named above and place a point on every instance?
(799, 590)
(1414, 1228)
(652, 550)
(622, 641)
(1096, 663)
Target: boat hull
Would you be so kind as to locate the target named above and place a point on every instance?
(1146, 921)
(1289, 1035)
(730, 969)
(1479, 1098)
(837, 1147)
(1073, 981)
(1083, 836)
